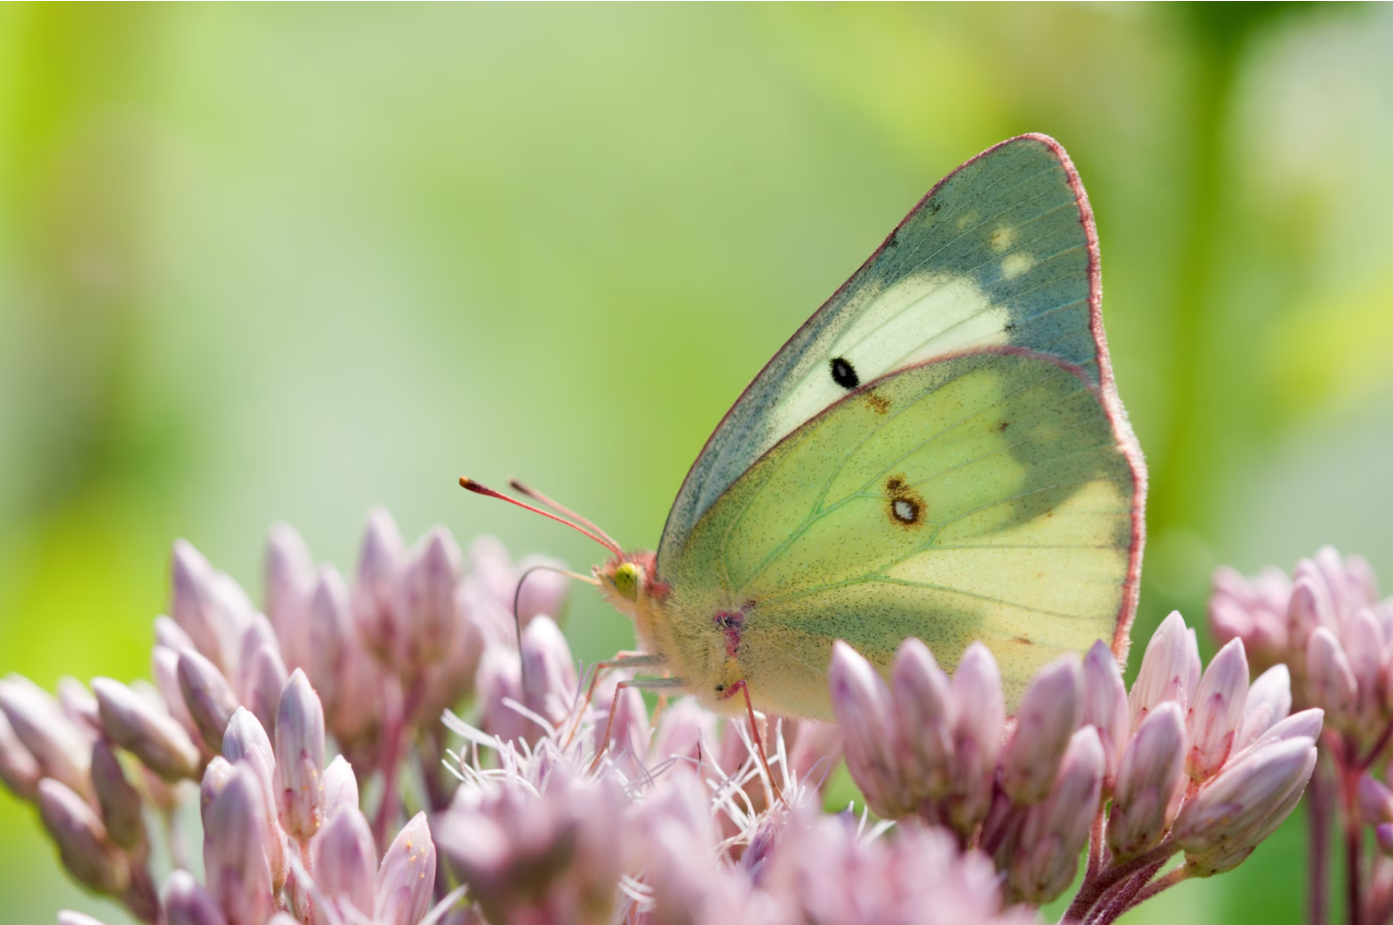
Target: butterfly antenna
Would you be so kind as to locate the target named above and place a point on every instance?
(598, 536)
(559, 508)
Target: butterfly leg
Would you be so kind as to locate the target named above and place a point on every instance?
(640, 684)
(754, 734)
(622, 660)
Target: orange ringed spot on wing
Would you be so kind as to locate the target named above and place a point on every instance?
(903, 504)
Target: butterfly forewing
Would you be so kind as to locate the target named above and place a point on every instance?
(1000, 253)
(982, 497)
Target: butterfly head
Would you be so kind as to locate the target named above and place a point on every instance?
(626, 579)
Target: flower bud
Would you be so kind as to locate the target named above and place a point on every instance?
(80, 706)
(375, 590)
(52, 740)
(500, 681)
(865, 713)
(1105, 706)
(1056, 830)
(1169, 669)
(246, 743)
(1046, 720)
(186, 902)
(685, 735)
(300, 758)
(1148, 783)
(815, 750)
(979, 713)
(82, 840)
(209, 606)
(1269, 702)
(234, 850)
(1375, 801)
(265, 676)
(428, 610)
(550, 671)
(544, 591)
(69, 917)
(18, 769)
(358, 711)
(1383, 834)
(345, 864)
(406, 879)
(119, 801)
(1234, 810)
(1330, 678)
(207, 695)
(154, 737)
(922, 727)
(1216, 710)
(289, 576)
(328, 626)
(164, 666)
(1310, 607)
(340, 787)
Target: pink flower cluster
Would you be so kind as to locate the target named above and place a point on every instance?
(1191, 761)
(1327, 624)
(310, 727)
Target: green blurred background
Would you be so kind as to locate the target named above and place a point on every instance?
(264, 263)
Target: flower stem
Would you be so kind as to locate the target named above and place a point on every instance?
(1318, 805)
(1094, 889)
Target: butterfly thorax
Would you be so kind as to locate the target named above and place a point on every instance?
(707, 660)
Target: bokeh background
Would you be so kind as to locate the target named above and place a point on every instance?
(263, 263)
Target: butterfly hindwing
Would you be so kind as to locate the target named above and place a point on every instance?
(1001, 253)
(983, 496)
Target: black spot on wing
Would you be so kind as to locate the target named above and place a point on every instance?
(844, 374)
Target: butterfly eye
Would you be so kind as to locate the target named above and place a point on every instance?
(626, 580)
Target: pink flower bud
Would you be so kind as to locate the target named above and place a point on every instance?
(345, 865)
(1148, 783)
(629, 732)
(814, 753)
(500, 681)
(551, 672)
(55, 742)
(1310, 607)
(69, 917)
(1216, 710)
(234, 850)
(1169, 669)
(246, 743)
(328, 626)
(544, 591)
(18, 769)
(289, 575)
(300, 758)
(922, 727)
(82, 840)
(375, 589)
(80, 706)
(1056, 830)
(1383, 834)
(686, 734)
(1046, 720)
(1236, 808)
(358, 713)
(265, 676)
(207, 695)
(1330, 678)
(164, 666)
(1375, 801)
(119, 801)
(154, 737)
(430, 616)
(865, 713)
(209, 606)
(979, 713)
(340, 787)
(186, 902)
(1105, 706)
(406, 879)
(1252, 610)
(1269, 702)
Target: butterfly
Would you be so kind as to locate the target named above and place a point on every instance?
(938, 452)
